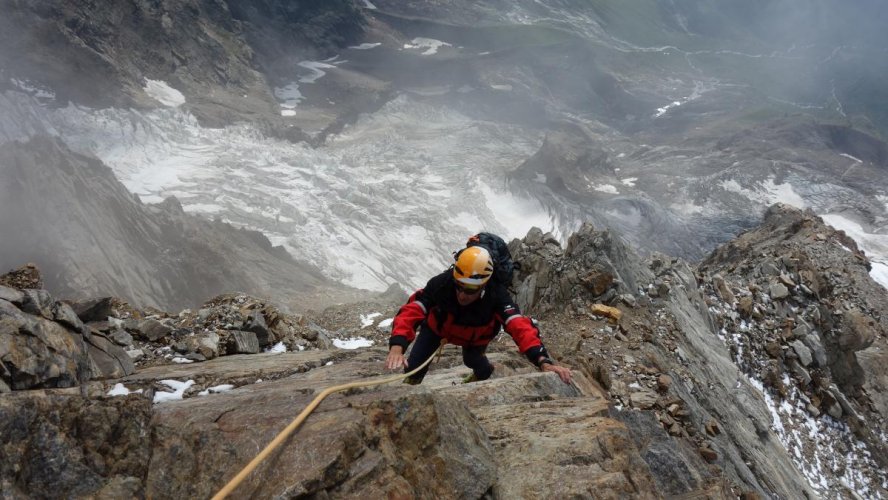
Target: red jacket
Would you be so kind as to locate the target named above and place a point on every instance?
(435, 307)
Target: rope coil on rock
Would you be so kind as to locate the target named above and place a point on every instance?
(228, 488)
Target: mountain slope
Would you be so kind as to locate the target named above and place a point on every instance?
(69, 214)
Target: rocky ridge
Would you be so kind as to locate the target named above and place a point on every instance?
(668, 399)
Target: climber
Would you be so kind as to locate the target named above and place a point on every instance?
(465, 307)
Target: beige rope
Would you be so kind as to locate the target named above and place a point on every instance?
(225, 491)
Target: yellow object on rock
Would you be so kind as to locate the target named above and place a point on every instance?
(609, 312)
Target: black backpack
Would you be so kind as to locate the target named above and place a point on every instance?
(503, 265)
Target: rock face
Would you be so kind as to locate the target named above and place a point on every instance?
(820, 343)
(102, 55)
(439, 440)
(55, 442)
(672, 397)
(44, 344)
(596, 265)
(70, 215)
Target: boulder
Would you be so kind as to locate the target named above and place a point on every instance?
(107, 359)
(39, 353)
(93, 309)
(802, 351)
(151, 330)
(255, 323)
(778, 291)
(240, 342)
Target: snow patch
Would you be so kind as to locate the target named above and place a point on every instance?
(120, 390)
(367, 319)
(430, 45)
(178, 388)
(277, 348)
(365, 46)
(163, 93)
(629, 181)
(289, 97)
(368, 5)
(352, 343)
(662, 111)
(606, 188)
(216, 389)
(858, 160)
(385, 324)
(316, 69)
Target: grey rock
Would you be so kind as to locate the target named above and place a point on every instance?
(255, 323)
(643, 399)
(121, 338)
(628, 299)
(801, 330)
(534, 236)
(835, 411)
(38, 303)
(11, 295)
(800, 372)
(135, 353)
(93, 309)
(802, 351)
(676, 468)
(4, 389)
(108, 360)
(208, 344)
(812, 341)
(64, 314)
(846, 405)
(241, 342)
(39, 353)
(9, 310)
(786, 280)
(778, 291)
(151, 330)
(770, 269)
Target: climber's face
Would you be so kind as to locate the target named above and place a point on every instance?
(465, 295)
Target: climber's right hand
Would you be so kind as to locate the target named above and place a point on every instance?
(395, 358)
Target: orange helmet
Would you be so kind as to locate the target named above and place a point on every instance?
(473, 267)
